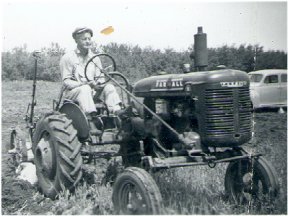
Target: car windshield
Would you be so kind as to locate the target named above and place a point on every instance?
(255, 77)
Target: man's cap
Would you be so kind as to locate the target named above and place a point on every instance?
(80, 30)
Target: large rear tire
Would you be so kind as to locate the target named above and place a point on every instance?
(56, 154)
(136, 192)
(251, 180)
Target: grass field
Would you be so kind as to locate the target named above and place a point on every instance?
(197, 190)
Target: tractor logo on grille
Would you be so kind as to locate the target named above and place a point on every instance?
(233, 84)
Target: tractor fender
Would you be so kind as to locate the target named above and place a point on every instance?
(79, 119)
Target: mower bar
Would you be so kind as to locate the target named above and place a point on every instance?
(33, 103)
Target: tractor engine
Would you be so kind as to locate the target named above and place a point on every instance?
(177, 112)
(212, 105)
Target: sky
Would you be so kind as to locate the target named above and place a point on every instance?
(159, 24)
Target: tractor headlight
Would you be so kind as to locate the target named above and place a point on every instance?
(161, 106)
(188, 87)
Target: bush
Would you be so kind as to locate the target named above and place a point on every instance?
(137, 63)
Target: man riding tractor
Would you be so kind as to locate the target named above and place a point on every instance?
(76, 86)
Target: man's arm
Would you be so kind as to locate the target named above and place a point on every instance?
(68, 78)
(100, 77)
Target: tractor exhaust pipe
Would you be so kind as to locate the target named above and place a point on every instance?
(200, 50)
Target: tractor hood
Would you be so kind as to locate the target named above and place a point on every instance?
(176, 84)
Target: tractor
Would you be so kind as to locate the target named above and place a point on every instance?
(169, 121)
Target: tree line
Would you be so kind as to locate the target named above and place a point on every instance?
(136, 62)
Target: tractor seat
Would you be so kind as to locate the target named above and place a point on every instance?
(100, 106)
(70, 101)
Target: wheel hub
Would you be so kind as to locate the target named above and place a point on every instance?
(247, 178)
(44, 158)
(135, 202)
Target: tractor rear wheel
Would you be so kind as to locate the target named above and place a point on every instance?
(251, 180)
(56, 154)
(135, 192)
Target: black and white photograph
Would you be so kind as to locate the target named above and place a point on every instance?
(175, 107)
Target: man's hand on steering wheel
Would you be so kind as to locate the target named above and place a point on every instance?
(94, 84)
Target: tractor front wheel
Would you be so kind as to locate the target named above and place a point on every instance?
(251, 180)
(56, 154)
(135, 192)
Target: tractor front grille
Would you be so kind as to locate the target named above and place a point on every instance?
(228, 112)
(219, 112)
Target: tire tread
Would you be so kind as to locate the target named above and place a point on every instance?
(69, 160)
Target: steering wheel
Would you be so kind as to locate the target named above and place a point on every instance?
(107, 67)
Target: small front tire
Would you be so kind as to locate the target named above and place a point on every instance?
(251, 179)
(135, 192)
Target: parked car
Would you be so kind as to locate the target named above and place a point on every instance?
(268, 88)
